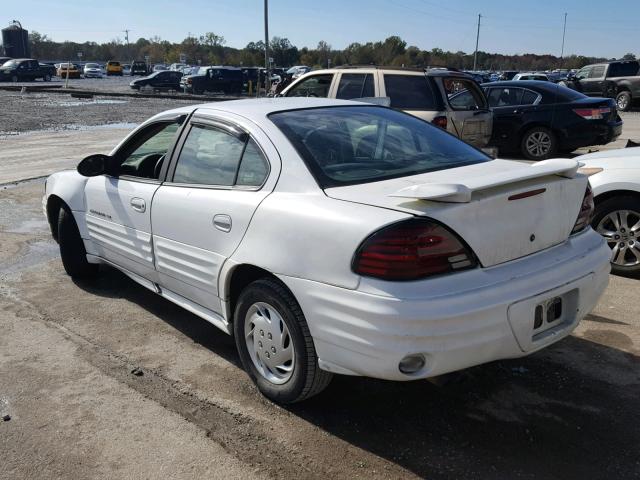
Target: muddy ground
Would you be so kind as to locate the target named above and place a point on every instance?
(105, 379)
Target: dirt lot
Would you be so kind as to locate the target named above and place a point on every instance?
(75, 408)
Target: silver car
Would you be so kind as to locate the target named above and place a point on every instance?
(92, 70)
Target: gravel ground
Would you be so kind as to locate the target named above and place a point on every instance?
(54, 111)
(106, 379)
(74, 407)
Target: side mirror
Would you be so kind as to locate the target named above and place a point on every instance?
(94, 165)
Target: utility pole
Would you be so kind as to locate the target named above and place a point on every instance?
(564, 31)
(126, 36)
(267, 79)
(475, 55)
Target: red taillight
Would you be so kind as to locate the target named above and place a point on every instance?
(586, 211)
(411, 250)
(592, 113)
(440, 122)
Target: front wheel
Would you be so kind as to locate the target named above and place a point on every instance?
(539, 143)
(72, 251)
(618, 221)
(623, 101)
(14, 78)
(47, 78)
(274, 343)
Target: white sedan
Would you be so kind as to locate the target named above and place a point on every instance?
(92, 70)
(615, 178)
(331, 237)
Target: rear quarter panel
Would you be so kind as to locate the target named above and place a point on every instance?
(311, 236)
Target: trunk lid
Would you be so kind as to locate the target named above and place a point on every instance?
(504, 210)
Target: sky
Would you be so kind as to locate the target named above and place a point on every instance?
(507, 26)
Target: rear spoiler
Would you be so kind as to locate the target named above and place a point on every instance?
(462, 192)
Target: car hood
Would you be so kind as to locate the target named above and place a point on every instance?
(483, 203)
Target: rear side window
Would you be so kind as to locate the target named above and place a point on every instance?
(355, 85)
(410, 92)
(254, 168)
(504, 97)
(315, 86)
(625, 69)
(528, 97)
(214, 157)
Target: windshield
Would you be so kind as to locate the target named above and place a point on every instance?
(360, 144)
(92, 65)
(202, 71)
(10, 63)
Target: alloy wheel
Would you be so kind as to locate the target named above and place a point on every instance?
(621, 229)
(623, 102)
(538, 144)
(269, 343)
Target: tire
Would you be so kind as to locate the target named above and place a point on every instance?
(623, 260)
(14, 79)
(261, 304)
(72, 251)
(623, 101)
(539, 143)
(47, 78)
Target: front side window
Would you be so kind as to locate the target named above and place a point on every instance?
(361, 144)
(355, 85)
(410, 92)
(211, 156)
(583, 73)
(144, 154)
(315, 86)
(597, 71)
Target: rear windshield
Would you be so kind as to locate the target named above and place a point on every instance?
(410, 92)
(361, 144)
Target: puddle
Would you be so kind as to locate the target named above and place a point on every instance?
(81, 103)
(38, 252)
(30, 226)
(80, 128)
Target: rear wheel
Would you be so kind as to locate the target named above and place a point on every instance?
(539, 143)
(618, 221)
(623, 101)
(47, 78)
(275, 345)
(72, 251)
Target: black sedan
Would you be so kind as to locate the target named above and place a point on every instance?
(540, 119)
(165, 80)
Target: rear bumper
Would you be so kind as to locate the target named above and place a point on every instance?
(455, 321)
(592, 134)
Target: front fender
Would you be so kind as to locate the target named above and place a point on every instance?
(67, 185)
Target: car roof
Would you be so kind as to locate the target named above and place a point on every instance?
(258, 109)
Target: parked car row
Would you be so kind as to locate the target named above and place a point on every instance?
(536, 119)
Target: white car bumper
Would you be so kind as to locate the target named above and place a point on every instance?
(455, 321)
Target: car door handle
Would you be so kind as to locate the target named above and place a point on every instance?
(138, 204)
(222, 223)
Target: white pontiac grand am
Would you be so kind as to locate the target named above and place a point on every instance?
(338, 237)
